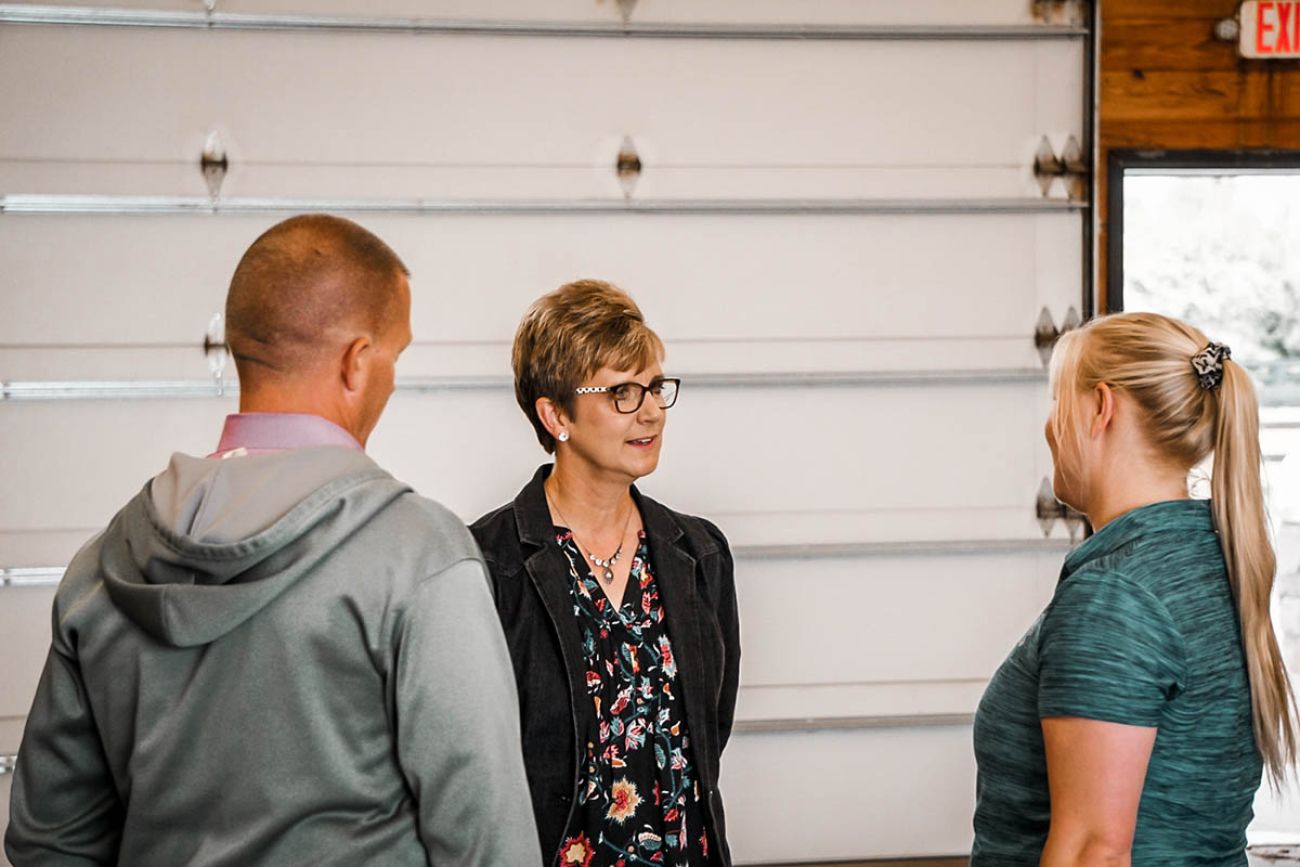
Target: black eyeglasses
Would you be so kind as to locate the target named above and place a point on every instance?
(629, 396)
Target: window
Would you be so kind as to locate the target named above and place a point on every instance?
(1214, 238)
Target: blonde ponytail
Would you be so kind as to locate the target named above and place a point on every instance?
(1237, 497)
(1149, 357)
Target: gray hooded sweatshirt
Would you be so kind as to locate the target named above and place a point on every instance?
(280, 659)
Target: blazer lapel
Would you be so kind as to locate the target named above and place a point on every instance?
(548, 569)
(550, 579)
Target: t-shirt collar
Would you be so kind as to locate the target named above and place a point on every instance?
(1165, 516)
(254, 432)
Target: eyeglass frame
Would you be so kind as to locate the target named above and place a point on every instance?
(645, 389)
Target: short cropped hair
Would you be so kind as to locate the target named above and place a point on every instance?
(569, 334)
(299, 285)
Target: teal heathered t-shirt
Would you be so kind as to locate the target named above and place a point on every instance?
(1142, 630)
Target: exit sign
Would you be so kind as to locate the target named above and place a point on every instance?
(1270, 28)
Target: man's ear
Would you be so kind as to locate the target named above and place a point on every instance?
(355, 364)
(552, 416)
(1103, 409)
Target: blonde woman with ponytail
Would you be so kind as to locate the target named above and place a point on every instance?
(1133, 721)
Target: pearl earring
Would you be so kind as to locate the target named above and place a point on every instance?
(563, 437)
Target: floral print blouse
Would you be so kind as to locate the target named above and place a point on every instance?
(638, 800)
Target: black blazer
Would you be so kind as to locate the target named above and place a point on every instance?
(530, 580)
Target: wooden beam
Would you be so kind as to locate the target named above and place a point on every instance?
(1116, 10)
(1151, 44)
(1221, 135)
(1136, 96)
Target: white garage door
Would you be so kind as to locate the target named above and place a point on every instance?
(836, 226)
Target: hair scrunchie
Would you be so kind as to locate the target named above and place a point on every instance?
(1208, 365)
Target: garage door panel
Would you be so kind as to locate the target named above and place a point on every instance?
(496, 101)
(856, 620)
(35, 176)
(987, 12)
(43, 548)
(787, 449)
(843, 448)
(5, 783)
(773, 450)
(25, 625)
(830, 796)
(1059, 79)
(157, 280)
(38, 366)
(808, 705)
(78, 463)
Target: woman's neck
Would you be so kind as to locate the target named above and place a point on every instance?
(1126, 471)
(1131, 488)
(586, 500)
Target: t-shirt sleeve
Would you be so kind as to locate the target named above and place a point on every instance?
(1108, 650)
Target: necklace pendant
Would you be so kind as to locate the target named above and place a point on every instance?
(608, 576)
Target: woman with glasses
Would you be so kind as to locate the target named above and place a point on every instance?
(620, 613)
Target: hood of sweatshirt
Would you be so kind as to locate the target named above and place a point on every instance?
(211, 541)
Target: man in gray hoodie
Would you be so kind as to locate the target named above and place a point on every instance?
(279, 654)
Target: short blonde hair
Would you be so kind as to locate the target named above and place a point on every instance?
(569, 334)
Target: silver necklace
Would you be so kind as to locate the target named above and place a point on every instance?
(607, 563)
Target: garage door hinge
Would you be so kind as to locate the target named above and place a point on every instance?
(1046, 334)
(628, 166)
(1073, 12)
(217, 350)
(1050, 510)
(214, 163)
(1070, 166)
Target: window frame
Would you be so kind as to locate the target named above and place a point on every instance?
(1137, 161)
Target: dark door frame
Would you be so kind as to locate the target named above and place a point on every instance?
(1193, 162)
